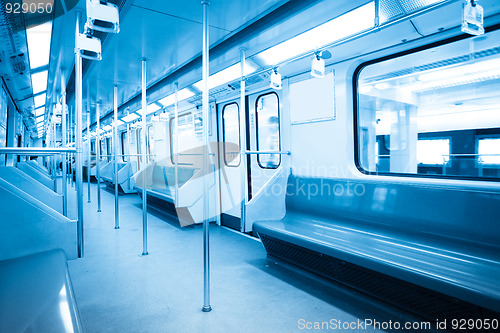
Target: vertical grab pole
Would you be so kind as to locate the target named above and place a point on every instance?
(143, 148)
(78, 140)
(73, 139)
(73, 169)
(115, 150)
(243, 141)
(98, 154)
(176, 126)
(63, 138)
(54, 163)
(128, 141)
(88, 146)
(206, 164)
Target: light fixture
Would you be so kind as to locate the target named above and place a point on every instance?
(348, 24)
(130, 117)
(275, 79)
(40, 111)
(227, 75)
(107, 128)
(318, 63)
(181, 95)
(153, 107)
(39, 100)
(38, 39)
(39, 81)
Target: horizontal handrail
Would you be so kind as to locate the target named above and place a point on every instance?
(36, 151)
(250, 152)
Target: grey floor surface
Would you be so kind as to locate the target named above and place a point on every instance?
(118, 290)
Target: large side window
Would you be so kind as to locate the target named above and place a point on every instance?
(268, 130)
(188, 139)
(231, 134)
(124, 141)
(150, 143)
(427, 111)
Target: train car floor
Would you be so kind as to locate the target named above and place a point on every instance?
(119, 290)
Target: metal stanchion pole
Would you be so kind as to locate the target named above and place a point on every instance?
(143, 164)
(88, 150)
(63, 138)
(98, 154)
(54, 163)
(176, 119)
(115, 150)
(243, 141)
(78, 141)
(206, 163)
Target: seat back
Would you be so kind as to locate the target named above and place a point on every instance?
(469, 215)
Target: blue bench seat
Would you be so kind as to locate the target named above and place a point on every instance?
(439, 239)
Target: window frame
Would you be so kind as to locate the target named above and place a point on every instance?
(224, 134)
(170, 124)
(257, 129)
(355, 99)
(122, 139)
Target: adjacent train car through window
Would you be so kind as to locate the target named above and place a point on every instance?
(431, 111)
(231, 134)
(188, 139)
(268, 130)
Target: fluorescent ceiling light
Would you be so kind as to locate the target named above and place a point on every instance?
(153, 107)
(227, 75)
(461, 70)
(40, 100)
(40, 111)
(119, 122)
(39, 118)
(130, 117)
(39, 81)
(458, 80)
(181, 95)
(39, 44)
(107, 128)
(350, 23)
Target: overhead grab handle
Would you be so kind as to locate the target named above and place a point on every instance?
(102, 16)
(89, 47)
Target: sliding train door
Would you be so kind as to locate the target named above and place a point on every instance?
(268, 162)
(231, 163)
(252, 186)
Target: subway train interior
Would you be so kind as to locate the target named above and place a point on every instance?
(249, 165)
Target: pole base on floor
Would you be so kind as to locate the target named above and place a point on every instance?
(88, 201)
(206, 308)
(98, 210)
(144, 253)
(117, 227)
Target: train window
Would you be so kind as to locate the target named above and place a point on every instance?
(188, 139)
(421, 112)
(489, 151)
(150, 142)
(231, 134)
(433, 151)
(268, 130)
(108, 148)
(124, 142)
